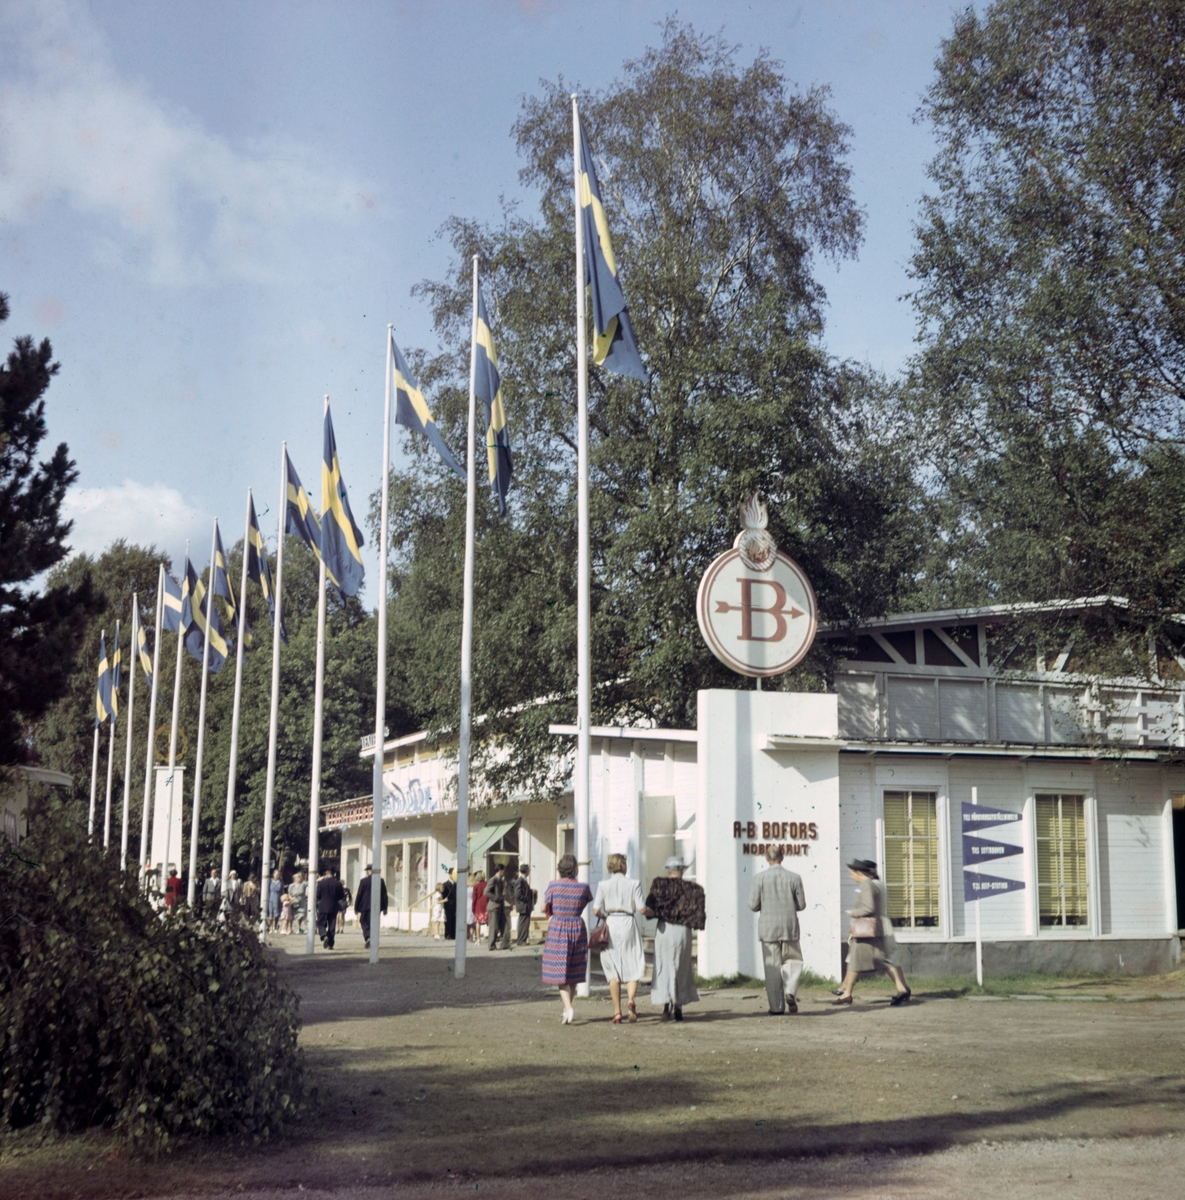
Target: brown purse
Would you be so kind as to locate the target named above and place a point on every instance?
(599, 938)
(862, 928)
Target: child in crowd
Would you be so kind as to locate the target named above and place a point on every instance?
(438, 913)
(285, 913)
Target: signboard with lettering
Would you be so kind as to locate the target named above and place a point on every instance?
(978, 851)
(978, 886)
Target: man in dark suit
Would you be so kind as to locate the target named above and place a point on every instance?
(524, 904)
(499, 916)
(362, 902)
(330, 894)
(778, 896)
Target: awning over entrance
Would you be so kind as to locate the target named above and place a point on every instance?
(485, 837)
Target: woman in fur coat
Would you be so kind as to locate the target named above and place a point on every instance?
(678, 905)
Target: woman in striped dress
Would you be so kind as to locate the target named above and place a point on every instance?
(565, 953)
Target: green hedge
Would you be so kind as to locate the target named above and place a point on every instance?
(115, 1014)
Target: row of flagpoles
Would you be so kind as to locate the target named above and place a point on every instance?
(187, 608)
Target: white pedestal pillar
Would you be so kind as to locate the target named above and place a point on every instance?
(749, 796)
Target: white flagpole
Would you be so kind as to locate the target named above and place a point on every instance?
(127, 762)
(462, 924)
(90, 821)
(583, 677)
(978, 918)
(151, 740)
(380, 681)
(110, 752)
(265, 866)
(310, 899)
(173, 741)
(201, 738)
(234, 720)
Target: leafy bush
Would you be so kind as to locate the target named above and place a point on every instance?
(113, 1013)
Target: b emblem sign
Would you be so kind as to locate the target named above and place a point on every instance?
(756, 608)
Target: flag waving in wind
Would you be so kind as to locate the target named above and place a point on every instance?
(178, 613)
(116, 676)
(341, 540)
(488, 388)
(140, 644)
(614, 345)
(300, 519)
(222, 587)
(412, 412)
(258, 570)
(205, 621)
(103, 708)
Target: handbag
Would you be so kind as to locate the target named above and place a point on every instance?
(864, 927)
(599, 938)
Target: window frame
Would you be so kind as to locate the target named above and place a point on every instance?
(1085, 927)
(937, 931)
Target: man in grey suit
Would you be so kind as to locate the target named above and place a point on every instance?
(778, 896)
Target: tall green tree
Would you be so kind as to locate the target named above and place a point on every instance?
(1049, 272)
(39, 630)
(723, 186)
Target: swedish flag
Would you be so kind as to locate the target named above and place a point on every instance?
(205, 621)
(300, 518)
(488, 388)
(258, 570)
(222, 587)
(178, 612)
(140, 644)
(103, 688)
(614, 345)
(341, 540)
(116, 676)
(412, 412)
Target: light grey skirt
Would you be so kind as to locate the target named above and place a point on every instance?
(674, 980)
(624, 960)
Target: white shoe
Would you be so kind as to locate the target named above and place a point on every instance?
(566, 1019)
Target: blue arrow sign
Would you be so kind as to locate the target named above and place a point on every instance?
(983, 816)
(980, 850)
(977, 886)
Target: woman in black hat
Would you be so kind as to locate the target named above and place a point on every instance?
(870, 953)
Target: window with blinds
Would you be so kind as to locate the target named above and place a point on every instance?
(1061, 860)
(911, 859)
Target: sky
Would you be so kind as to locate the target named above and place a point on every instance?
(214, 208)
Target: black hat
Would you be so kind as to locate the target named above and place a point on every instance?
(864, 865)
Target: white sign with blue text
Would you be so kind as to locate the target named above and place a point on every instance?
(979, 851)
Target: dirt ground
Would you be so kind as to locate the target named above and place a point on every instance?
(426, 1082)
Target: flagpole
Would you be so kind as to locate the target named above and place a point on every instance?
(380, 681)
(233, 766)
(90, 821)
(173, 735)
(265, 866)
(318, 718)
(978, 917)
(201, 738)
(580, 779)
(463, 752)
(111, 745)
(151, 739)
(127, 762)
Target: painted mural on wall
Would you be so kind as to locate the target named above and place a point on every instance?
(413, 798)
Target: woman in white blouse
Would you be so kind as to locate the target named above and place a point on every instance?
(619, 901)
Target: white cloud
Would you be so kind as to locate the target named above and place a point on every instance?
(143, 514)
(171, 199)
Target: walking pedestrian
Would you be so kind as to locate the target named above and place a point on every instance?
(234, 893)
(343, 909)
(362, 902)
(251, 900)
(678, 905)
(299, 891)
(524, 905)
(619, 903)
(495, 899)
(437, 919)
(275, 889)
(211, 892)
(481, 914)
(331, 896)
(565, 953)
(173, 889)
(470, 922)
(871, 951)
(778, 896)
(449, 904)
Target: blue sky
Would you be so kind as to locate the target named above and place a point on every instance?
(213, 209)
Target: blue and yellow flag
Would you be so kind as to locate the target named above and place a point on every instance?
(614, 346)
(103, 688)
(222, 587)
(300, 519)
(258, 570)
(488, 388)
(341, 539)
(178, 614)
(205, 621)
(116, 676)
(412, 412)
(140, 644)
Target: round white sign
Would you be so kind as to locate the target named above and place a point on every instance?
(759, 623)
